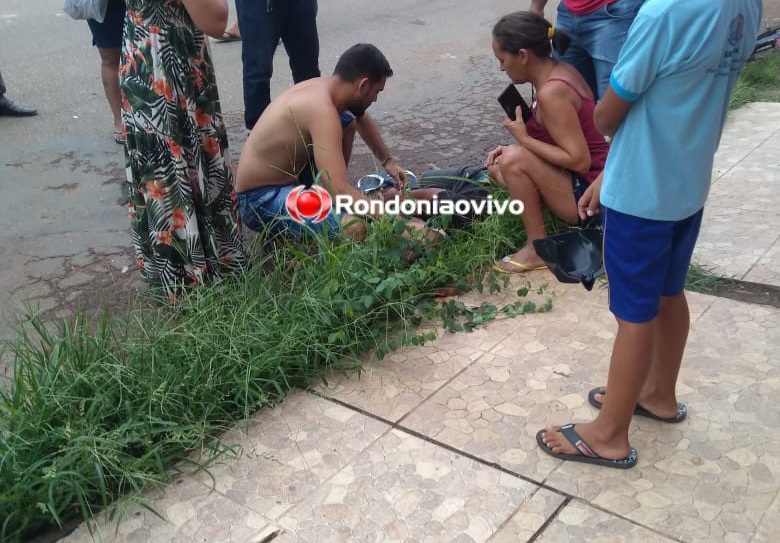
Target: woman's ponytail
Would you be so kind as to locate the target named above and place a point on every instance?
(560, 40)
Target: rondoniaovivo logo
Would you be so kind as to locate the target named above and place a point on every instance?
(308, 204)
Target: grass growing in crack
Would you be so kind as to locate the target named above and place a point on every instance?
(98, 409)
(702, 279)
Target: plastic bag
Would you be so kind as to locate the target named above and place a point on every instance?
(86, 9)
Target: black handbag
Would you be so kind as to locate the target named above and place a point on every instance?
(575, 256)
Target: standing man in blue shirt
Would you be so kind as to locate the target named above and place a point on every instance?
(665, 108)
(263, 23)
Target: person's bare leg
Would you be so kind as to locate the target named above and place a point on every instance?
(532, 180)
(658, 395)
(607, 434)
(232, 31)
(109, 73)
(671, 334)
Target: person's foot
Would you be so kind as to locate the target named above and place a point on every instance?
(231, 34)
(11, 109)
(664, 410)
(565, 443)
(119, 135)
(524, 260)
(614, 449)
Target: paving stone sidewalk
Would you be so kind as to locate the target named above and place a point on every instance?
(436, 443)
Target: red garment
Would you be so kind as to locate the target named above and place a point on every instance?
(596, 145)
(584, 7)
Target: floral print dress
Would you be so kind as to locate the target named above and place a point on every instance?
(182, 201)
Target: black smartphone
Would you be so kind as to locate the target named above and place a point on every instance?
(510, 99)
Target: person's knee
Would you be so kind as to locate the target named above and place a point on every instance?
(109, 57)
(514, 163)
(672, 302)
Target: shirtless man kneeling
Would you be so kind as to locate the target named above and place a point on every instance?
(310, 128)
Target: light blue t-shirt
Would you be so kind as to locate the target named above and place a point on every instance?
(678, 66)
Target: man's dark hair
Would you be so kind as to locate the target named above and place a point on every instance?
(362, 60)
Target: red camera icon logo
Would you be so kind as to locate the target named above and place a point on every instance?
(308, 204)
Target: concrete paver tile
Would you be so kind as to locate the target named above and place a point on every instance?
(767, 269)
(531, 516)
(191, 512)
(286, 537)
(750, 186)
(770, 524)
(390, 388)
(712, 477)
(405, 489)
(732, 240)
(289, 451)
(765, 155)
(746, 129)
(538, 375)
(581, 522)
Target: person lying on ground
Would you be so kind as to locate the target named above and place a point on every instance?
(468, 184)
(308, 129)
(558, 152)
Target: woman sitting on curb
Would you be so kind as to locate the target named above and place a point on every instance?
(559, 152)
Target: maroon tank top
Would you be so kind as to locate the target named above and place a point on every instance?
(596, 145)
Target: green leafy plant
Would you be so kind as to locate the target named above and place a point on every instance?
(760, 81)
(97, 409)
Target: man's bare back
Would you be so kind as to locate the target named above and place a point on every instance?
(280, 146)
(315, 122)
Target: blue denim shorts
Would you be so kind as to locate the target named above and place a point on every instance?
(646, 260)
(597, 39)
(265, 210)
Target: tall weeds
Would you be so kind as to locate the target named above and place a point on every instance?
(100, 408)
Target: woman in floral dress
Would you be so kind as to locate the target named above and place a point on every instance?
(182, 201)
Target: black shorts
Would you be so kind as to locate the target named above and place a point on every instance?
(579, 185)
(108, 34)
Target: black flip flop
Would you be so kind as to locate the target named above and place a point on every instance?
(682, 409)
(586, 453)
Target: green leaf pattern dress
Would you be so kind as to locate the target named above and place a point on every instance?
(182, 202)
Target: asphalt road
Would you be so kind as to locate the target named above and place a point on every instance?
(63, 229)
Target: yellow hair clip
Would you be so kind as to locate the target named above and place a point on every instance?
(550, 32)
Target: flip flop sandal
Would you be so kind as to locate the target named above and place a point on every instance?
(519, 267)
(586, 453)
(682, 409)
(119, 137)
(227, 37)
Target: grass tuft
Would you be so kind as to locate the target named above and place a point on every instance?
(97, 409)
(759, 81)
